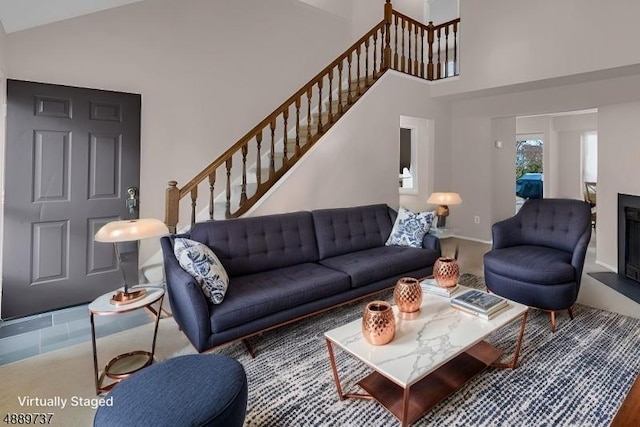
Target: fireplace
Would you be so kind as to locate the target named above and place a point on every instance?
(627, 280)
(629, 237)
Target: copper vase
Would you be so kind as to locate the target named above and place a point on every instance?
(408, 296)
(378, 323)
(446, 272)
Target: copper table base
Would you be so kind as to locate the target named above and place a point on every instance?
(411, 403)
(120, 367)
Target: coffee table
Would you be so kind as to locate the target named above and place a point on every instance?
(429, 358)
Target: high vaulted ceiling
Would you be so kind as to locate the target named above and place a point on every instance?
(19, 15)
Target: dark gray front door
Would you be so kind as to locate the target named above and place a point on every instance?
(71, 154)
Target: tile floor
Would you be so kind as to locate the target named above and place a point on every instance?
(41, 333)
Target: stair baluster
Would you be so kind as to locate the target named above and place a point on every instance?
(439, 64)
(455, 48)
(194, 198)
(349, 98)
(285, 116)
(297, 151)
(243, 191)
(358, 93)
(395, 48)
(272, 154)
(416, 69)
(366, 62)
(227, 211)
(330, 109)
(212, 182)
(309, 94)
(375, 55)
(430, 42)
(320, 106)
(340, 106)
(422, 52)
(259, 158)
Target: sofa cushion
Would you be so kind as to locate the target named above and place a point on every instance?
(200, 262)
(256, 295)
(534, 264)
(254, 244)
(370, 265)
(409, 228)
(345, 230)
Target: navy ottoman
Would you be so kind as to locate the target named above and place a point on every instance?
(194, 390)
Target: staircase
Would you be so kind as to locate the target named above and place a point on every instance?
(250, 167)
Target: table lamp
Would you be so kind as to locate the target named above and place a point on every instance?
(443, 200)
(128, 231)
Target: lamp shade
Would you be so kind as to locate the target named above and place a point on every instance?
(130, 230)
(444, 199)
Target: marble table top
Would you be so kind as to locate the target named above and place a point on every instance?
(422, 345)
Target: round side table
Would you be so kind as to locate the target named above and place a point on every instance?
(125, 364)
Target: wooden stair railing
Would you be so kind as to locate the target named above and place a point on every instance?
(397, 42)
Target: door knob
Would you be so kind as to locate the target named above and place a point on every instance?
(132, 201)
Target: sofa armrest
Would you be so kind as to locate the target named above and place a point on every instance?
(188, 304)
(430, 241)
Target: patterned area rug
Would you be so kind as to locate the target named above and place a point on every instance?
(577, 376)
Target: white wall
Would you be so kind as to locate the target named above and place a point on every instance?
(3, 106)
(507, 42)
(356, 162)
(618, 172)
(617, 150)
(338, 7)
(208, 71)
(503, 179)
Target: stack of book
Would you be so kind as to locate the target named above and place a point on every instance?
(430, 286)
(479, 303)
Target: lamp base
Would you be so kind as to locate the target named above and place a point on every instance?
(122, 297)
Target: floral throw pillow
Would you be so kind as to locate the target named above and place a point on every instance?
(410, 228)
(199, 261)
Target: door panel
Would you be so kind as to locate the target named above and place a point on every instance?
(71, 154)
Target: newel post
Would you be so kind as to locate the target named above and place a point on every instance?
(430, 32)
(388, 16)
(172, 205)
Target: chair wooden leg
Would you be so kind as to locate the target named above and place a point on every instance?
(553, 321)
(570, 310)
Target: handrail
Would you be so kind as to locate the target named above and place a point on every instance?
(312, 110)
(235, 147)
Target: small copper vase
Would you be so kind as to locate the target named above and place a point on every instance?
(378, 323)
(408, 297)
(446, 272)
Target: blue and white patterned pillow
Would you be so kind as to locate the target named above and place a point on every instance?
(199, 261)
(410, 228)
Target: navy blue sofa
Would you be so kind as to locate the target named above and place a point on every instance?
(538, 255)
(287, 266)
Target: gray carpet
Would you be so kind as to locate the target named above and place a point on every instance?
(577, 376)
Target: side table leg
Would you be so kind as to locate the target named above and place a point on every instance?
(155, 330)
(96, 376)
(514, 362)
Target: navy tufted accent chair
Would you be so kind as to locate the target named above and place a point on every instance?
(538, 255)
